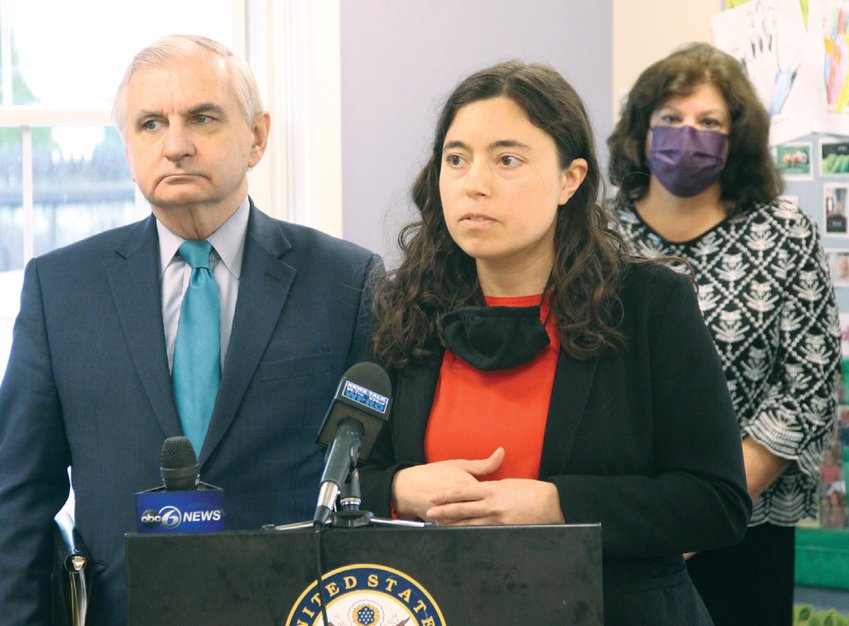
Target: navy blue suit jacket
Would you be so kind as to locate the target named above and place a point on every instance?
(88, 385)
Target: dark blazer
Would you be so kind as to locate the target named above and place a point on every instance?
(642, 439)
(88, 385)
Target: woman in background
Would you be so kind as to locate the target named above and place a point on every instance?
(541, 376)
(691, 159)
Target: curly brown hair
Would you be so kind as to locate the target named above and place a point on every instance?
(436, 276)
(750, 175)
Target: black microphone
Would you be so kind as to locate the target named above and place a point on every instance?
(359, 409)
(183, 503)
(179, 468)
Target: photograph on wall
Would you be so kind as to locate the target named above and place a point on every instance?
(834, 157)
(838, 266)
(795, 160)
(834, 209)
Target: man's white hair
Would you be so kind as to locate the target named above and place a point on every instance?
(182, 46)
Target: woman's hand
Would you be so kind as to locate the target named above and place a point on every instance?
(508, 501)
(414, 488)
(762, 467)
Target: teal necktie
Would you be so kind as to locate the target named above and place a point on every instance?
(197, 352)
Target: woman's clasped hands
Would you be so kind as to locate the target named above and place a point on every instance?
(454, 493)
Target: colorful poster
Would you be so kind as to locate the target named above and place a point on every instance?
(824, 73)
(833, 27)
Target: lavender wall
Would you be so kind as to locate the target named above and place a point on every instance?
(401, 58)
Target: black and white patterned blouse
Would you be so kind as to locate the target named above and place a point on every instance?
(768, 301)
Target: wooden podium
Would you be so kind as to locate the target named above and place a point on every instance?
(464, 576)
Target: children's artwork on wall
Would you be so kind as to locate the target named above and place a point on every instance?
(833, 30)
(771, 39)
(795, 160)
(797, 57)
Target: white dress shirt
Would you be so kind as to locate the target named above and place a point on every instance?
(228, 245)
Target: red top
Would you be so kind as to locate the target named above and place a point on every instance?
(475, 412)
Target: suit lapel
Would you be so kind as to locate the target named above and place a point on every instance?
(263, 288)
(134, 280)
(415, 392)
(573, 380)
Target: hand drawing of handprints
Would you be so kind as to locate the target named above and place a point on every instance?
(771, 57)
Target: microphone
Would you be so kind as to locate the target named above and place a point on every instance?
(359, 410)
(179, 467)
(183, 503)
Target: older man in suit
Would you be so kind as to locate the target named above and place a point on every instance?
(105, 365)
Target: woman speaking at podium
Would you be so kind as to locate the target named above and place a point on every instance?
(541, 375)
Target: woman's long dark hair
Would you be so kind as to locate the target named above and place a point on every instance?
(436, 276)
(750, 175)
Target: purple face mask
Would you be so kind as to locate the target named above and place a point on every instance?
(686, 161)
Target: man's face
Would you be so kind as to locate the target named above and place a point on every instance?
(188, 143)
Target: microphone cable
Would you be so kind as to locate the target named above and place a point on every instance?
(319, 570)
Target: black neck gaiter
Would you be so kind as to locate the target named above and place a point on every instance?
(495, 337)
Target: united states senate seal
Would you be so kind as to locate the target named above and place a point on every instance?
(367, 595)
